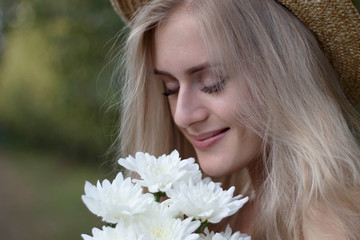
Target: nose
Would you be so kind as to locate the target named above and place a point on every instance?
(189, 108)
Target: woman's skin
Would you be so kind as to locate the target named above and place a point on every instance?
(203, 104)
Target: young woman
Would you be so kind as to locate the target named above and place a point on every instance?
(245, 87)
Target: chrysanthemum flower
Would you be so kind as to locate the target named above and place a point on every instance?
(227, 235)
(119, 200)
(161, 210)
(205, 200)
(159, 174)
(162, 228)
(108, 233)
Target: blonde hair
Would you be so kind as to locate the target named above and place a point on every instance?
(294, 103)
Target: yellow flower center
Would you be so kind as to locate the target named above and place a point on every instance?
(160, 233)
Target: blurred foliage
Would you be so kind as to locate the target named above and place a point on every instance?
(41, 197)
(357, 4)
(54, 79)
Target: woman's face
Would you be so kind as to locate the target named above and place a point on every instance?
(203, 102)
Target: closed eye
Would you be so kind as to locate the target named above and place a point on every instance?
(170, 92)
(216, 87)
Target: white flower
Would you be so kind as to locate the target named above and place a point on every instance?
(164, 209)
(224, 235)
(108, 233)
(119, 200)
(138, 217)
(159, 174)
(163, 228)
(205, 200)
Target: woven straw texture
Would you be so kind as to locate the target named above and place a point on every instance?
(335, 23)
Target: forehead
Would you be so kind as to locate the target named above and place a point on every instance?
(178, 41)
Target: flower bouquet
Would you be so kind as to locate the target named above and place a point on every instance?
(169, 201)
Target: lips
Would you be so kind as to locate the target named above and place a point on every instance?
(208, 139)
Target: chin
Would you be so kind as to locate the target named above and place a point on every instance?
(220, 166)
(216, 169)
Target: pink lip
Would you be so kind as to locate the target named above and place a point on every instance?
(206, 140)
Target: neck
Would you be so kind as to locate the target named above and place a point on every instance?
(245, 219)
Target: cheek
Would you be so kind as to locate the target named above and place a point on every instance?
(239, 150)
(252, 146)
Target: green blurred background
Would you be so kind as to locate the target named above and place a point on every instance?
(56, 120)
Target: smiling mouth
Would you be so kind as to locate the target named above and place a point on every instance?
(206, 140)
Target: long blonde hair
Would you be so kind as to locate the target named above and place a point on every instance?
(295, 103)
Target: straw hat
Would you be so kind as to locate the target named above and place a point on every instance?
(335, 23)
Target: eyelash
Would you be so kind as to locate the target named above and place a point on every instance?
(170, 92)
(215, 88)
(219, 86)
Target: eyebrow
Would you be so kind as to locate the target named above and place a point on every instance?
(189, 71)
(198, 68)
